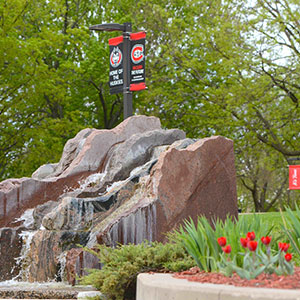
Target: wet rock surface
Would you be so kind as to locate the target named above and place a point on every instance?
(40, 211)
(136, 151)
(134, 182)
(10, 248)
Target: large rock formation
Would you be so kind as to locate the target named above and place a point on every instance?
(124, 185)
(82, 156)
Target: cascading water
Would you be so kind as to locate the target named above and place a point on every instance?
(22, 261)
(135, 228)
(79, 215)
(62, 261)
(26, 218)
(90, 181)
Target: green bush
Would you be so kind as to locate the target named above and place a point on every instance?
(117, 279)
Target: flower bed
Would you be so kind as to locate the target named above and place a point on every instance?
(255, 261)
(261, 281)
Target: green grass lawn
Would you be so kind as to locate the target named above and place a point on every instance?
(272, 218)
(277, 233)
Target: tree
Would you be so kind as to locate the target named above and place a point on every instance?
(222, 67)
(218, 76)
(262, 179)
(49, 85)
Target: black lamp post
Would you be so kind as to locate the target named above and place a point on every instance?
(126, 29)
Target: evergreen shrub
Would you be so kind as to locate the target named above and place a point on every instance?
(117, 278)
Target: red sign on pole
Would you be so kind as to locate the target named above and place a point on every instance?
(136, 57)
(294, 177)
(137, 61)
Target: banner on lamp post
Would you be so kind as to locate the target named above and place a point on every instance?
(294, 177)
(116, 65)
(137, 61)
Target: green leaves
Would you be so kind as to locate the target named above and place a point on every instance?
(220, 70)
(291, 227)
(121, 266)
(201, 243)
(46, 67)
(255, 262)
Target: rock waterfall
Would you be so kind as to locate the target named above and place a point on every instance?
(134, 182)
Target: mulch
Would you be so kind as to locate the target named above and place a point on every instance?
(261, 281)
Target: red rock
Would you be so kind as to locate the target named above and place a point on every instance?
(73, 259)
(10, 248)
(98, 142)
(198, 180)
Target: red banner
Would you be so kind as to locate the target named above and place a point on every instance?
(137, 61)
(294, 177)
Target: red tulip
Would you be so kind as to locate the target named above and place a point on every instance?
(244, 242)
(266, 240)
(251, 236)
(222, 241)
(252, 245)
(288, 257)
(283, 246)
(227, 249)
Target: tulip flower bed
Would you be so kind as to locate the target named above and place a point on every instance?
(259, 268)
(261, 281)
(232, 253)
(255, 261)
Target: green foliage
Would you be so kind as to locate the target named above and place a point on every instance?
(273, 219)
(117, 278)
(201, 241)
(291, 227)
(50, 86)
(228, 72)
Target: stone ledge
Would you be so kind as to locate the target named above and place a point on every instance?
(88, 295)
(165, 287)
(46, 290)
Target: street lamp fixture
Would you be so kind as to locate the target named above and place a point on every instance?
(293, 158)
(126, 29)
(109, 27)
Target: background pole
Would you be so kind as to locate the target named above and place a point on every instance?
(127, 95)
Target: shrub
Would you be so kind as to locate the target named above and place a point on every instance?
(117, 279)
